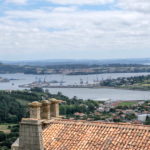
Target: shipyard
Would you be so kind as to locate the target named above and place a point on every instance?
(62, 84)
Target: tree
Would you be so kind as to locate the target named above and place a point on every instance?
(37, 89)
(2, 136)
(147, 122)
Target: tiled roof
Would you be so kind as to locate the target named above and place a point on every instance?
(77, 135)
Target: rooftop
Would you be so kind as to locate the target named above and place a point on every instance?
(83, 135)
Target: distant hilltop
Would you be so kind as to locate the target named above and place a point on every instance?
(79, 61)
(80, 68)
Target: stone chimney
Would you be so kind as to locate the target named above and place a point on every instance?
(30, 135)
(45, 109)
(35, 110)
(55, 107)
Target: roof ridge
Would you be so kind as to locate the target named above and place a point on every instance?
(98, 123)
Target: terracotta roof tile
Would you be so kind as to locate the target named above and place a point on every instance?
(77, 135)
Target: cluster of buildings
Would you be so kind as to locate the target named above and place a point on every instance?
(139, 110)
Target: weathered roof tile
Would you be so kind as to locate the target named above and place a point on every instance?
(77, 135)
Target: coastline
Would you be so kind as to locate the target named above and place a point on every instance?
(121, 88)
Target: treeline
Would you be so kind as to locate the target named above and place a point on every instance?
(126, 81)
(12, 109)
(10, 68)
(86, 66)
(73, 105)
(77, 69)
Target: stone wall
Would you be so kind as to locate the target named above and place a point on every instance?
(30, 135)
(15, 145)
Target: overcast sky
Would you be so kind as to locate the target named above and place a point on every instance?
(66, 29)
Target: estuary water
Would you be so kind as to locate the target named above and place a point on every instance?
(95, 94)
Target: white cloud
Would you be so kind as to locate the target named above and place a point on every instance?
(69, 31)
(135, 5)
(64, 9)
(16, 1)
(81, 2)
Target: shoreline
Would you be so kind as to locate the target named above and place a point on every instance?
(124, 88)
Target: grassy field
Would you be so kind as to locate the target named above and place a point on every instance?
(4, 127)
(129, 103)
(22, 102)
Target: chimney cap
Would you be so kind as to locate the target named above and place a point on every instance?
(35, 104)
(53, 100)
(45, 102)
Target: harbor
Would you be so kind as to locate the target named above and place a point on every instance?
(61, 84)
(90, 92)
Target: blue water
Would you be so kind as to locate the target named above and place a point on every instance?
(96, 94)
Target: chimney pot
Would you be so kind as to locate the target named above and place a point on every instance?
(35, 110)
(45, 109)
(55, 107)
